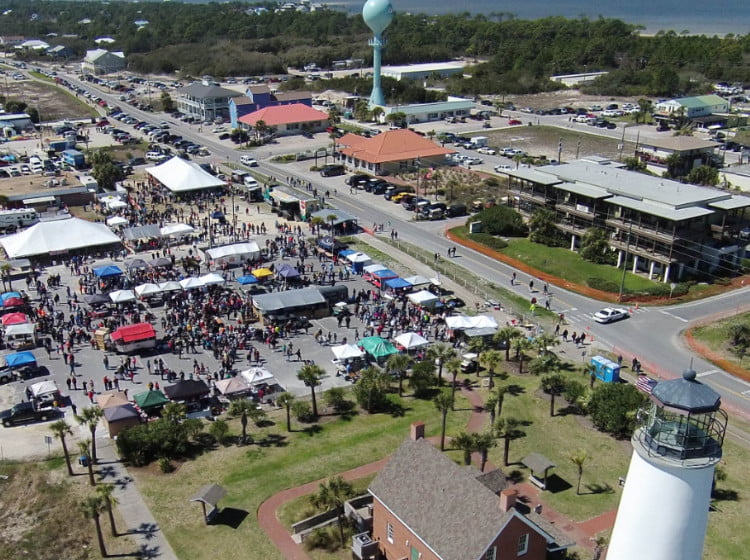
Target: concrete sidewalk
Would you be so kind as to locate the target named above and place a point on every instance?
(140, 525)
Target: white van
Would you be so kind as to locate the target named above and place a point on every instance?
(21, 217)
(250, 162)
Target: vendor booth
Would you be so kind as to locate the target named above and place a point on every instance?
(424, 298)
(150, 402)
(236, 254)
(377, 347)
(19, 336)
(118, 418)
(358, 261)
(130, 338)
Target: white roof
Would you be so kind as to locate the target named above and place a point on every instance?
(191, 282)
(176, 229)
(374, 268)
(233, 385)
(44, 388)
(211, 278)
(57, 236)
(346, 351)
(417, 280)
(170, 286)
(122, 296)
(466, 322)
(411, 340)
(20, 328)
(249, 248)
(422, 297)
(358, 258)
(147, 289)
(256, 375)
(116, 221)
(179, 175)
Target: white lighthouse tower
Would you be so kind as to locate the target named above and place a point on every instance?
(664, 507)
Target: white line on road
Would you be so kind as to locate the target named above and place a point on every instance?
(708, 372)
(667, 313)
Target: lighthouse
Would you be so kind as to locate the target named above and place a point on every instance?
(664, 507)
(378, 15)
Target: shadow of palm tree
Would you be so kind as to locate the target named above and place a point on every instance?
(597, 488)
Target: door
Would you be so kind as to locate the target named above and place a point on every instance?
(414, 554)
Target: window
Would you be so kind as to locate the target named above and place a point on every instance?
(491, 553)
(389, 532)
(523, 544)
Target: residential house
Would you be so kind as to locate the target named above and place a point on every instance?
(61, 51)
(662, 227)
(102, 61)
(391, 151)
(427, 507)
(205, 100)
(702, 110)
(691, 151)
(286, 120)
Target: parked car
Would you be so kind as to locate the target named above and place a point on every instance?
(332, 170)
(486, 150)
(24, 412)
(514, 122)
(357, 180)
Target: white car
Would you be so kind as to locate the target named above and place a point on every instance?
(250, 162)
(473, 161)
(486, 151)
(610, 314)
(155, 156)
(500, 167)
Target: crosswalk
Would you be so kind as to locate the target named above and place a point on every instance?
(577, 317)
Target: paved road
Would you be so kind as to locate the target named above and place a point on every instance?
(651, 334)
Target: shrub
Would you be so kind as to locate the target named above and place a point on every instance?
(335, 398)
(302, 411)
(613, 407)
(220, 430)
(165, 465)
(603, 285)
(142, 444)
(489, 241)
(324, 538)
(501, 220)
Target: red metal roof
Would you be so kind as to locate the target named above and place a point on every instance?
(392, 145)
(134, 333)
(284, 114)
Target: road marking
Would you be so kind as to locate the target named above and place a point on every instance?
(708, 372)
(667, 313)
(746, 393)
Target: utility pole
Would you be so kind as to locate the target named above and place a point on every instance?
(625, 264)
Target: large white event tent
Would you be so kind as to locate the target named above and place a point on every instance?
(176, 229)
(179, 175)
(466, 322)
(236, 253)
(347, 351)
(57, 237)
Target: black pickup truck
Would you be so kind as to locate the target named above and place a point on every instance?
(24, 412)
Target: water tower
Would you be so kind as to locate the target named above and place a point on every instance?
(378, 15)
(664, 507)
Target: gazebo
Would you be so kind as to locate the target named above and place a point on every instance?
(538, 463)
(209, 495)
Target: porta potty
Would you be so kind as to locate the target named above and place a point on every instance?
(606, 370)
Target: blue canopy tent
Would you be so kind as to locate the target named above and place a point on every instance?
(108, 271)
(287, 271)
(8, 295)
(249, 279)
(346, 252)
(20, 359)
(398, 284)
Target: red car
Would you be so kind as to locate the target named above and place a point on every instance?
(514, 122)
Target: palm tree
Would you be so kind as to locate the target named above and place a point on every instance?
(5, 270)
(543, 343)
(477, 345)
(332, 496)
(444, 403)
(61, 429)
(311, 375)
(553, 385)
(490, 405)
(454, 368)
(90, 416)
(465, 442)
(330, 218)
(105, 492)
(316, 222)
(579, 458)
(260, 129)
(83, 447)
(91, 508)
(398, 364)
(241, 408)
(500, 393)
(505, 336)
(491, 359)
(521, 345)
(441, 353)
(507, 428)
(482, 444)
(286, 399)
(377, 112)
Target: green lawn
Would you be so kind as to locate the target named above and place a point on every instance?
(255, 472)
(568, 265)
(716, 336)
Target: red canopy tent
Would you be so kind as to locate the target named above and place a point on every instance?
(13, 302)
(133, 333)
(14, 319)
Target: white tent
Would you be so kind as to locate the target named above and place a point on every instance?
(466, 322)
(39, 390)
(374, 268)
(233, 385)
(411, 340)
(179, 175)
(176, 230)
(236, 253)
(122, 296)
(347, 351)
(359, 258)
(423, 297)
(256, 376)
(418, 280)
(170, 286)
(147, 289)
(57, 237)
(114, 204)
(192, 282)
(18, 329)
(211, 278)
(115, 221)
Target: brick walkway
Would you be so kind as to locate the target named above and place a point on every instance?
(268, 519)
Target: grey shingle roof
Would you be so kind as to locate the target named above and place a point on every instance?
(688, 394)
(443, 503)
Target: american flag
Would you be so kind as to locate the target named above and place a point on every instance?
(645, 384)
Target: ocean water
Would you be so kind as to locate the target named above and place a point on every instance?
(694, 16)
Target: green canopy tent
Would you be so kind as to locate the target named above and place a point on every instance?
(150, 399)
(377, 347)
